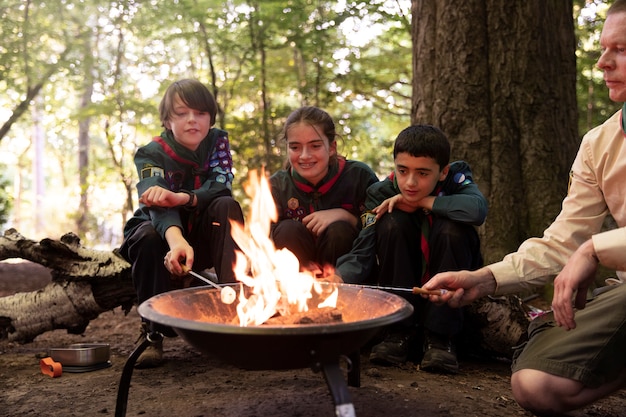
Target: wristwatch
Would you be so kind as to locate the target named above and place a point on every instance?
(188, 204)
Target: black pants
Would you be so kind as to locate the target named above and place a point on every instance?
(322, 250)
(453, 246)
(209, 236)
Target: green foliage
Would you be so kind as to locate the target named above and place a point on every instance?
(261, 59)
(593, 101)
(6, 201)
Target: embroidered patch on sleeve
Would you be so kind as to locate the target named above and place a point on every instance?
(460, 178)
(151, 171)
(367, 219)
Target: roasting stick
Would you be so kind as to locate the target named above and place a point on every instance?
(227, 294)
(414, 290)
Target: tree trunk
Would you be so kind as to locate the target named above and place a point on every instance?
(84, 284)
(499, 79)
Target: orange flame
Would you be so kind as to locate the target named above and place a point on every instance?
(276, 284)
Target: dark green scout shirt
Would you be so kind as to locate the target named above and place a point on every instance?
(458, 199)
(207, 172)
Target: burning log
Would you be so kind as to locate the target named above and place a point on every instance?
(324, 315)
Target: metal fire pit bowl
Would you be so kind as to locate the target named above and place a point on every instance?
(198, 315)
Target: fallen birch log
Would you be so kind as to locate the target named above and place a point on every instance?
(85, 283)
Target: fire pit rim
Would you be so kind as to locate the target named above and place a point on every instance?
(404, 309)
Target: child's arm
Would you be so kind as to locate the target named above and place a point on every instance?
(160, 197)
(399, 202)
(459, 198)
(467, 205)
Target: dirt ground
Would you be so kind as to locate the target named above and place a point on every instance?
(193, 384)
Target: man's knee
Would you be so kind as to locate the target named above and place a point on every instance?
(523, 392)
(542, 393)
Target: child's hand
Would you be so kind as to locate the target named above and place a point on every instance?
(176, 258)
(318, 221)
(180, 253)
(160, 197)
(387, 206)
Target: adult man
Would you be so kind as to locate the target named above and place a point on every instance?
(571, 358)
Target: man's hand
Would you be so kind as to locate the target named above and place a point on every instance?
(318, 221)
(463, 287)
(576, 277)
(160, 197)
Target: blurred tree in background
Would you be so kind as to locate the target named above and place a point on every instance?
(80, 84)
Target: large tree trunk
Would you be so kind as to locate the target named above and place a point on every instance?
(499, 77)
(85, 283)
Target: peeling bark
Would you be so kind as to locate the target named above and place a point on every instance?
(494, 326)
(85, 283)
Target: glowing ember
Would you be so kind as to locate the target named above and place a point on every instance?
(273, 276)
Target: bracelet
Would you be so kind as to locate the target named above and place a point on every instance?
(188, 204)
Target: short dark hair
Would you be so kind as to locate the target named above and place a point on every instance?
(193, 93)
(423, 140)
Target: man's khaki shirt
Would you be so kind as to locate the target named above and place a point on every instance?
(597, 189)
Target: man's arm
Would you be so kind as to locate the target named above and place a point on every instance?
(463, 287)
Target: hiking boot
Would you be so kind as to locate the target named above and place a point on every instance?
(439, 355)
(152, 356)
(394, 350)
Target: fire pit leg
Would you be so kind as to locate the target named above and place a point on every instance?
(338, 389)
(354, 372)
(127, 373)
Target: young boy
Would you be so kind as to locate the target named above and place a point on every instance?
(420, 221)
(185, 202)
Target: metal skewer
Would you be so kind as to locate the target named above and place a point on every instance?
(200, 277)
(414, 290)
(227, 294)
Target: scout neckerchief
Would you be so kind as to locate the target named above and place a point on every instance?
(331, 177)
(175, 155)
(426, 222)
(174, 151)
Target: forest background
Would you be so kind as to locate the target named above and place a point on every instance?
(80, 82)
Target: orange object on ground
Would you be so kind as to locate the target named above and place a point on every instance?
(50, 367)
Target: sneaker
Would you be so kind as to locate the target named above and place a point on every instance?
(152, 356)
(394, 350)
(439, 355)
